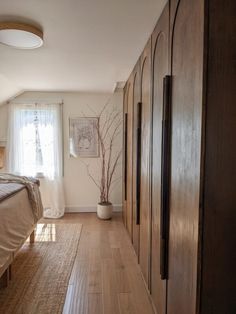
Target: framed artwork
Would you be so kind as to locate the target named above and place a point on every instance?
(84, 137)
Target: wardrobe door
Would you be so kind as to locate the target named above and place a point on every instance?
(136, 176)
(219, 236)
(129, 204)
(144, 253)
(160, 70)
(124, 185)
(187, 80)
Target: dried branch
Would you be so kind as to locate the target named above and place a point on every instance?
(108, 129)
(115, 182)
(90, 175)
(112, 172)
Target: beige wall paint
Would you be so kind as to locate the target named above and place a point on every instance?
(80, 192)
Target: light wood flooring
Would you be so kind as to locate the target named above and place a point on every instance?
(106, 278)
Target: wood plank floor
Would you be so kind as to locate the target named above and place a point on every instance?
(106, 278)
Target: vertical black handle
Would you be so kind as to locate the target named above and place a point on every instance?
(165, 173)
(126, 154)
(138, 166)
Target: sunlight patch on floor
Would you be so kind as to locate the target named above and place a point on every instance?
(45, 233)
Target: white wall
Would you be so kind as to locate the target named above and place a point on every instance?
(3, 122)
(80, 192)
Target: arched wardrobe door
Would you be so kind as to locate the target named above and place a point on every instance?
(187, 77)
(160, 70)
(124, 176)
(145, 212)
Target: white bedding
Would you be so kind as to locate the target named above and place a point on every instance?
(32, 186)
(16, 224)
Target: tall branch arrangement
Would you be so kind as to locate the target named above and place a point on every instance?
(108, 129)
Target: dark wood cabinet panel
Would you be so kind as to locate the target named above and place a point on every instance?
(159, 70)
(187, 85)
(194, 43)
(219, 204)
(144, 253)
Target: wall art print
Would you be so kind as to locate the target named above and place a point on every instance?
(84, 140)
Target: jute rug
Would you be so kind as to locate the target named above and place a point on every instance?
(41, 271)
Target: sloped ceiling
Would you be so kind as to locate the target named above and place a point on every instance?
(88, 44)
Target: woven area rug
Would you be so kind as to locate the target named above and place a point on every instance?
(41, 271)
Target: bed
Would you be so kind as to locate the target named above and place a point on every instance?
(20, 209)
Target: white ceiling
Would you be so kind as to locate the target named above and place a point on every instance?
(88, 44)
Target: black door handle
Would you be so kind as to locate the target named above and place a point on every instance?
(125, 161)
(165, 177)
(138, 166)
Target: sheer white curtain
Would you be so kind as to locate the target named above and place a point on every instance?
(35, 149)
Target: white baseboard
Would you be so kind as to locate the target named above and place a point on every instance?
(89, 209)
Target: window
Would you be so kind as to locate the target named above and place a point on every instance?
(35, 149)
(35, 140)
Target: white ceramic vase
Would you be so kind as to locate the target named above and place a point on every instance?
(104, 210)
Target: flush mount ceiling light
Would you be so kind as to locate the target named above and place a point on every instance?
(20, 35)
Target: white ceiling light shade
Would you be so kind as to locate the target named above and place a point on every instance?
(20, 35)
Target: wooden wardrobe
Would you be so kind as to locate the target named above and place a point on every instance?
(180, 158)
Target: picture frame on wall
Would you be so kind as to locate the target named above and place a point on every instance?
(83, 137)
